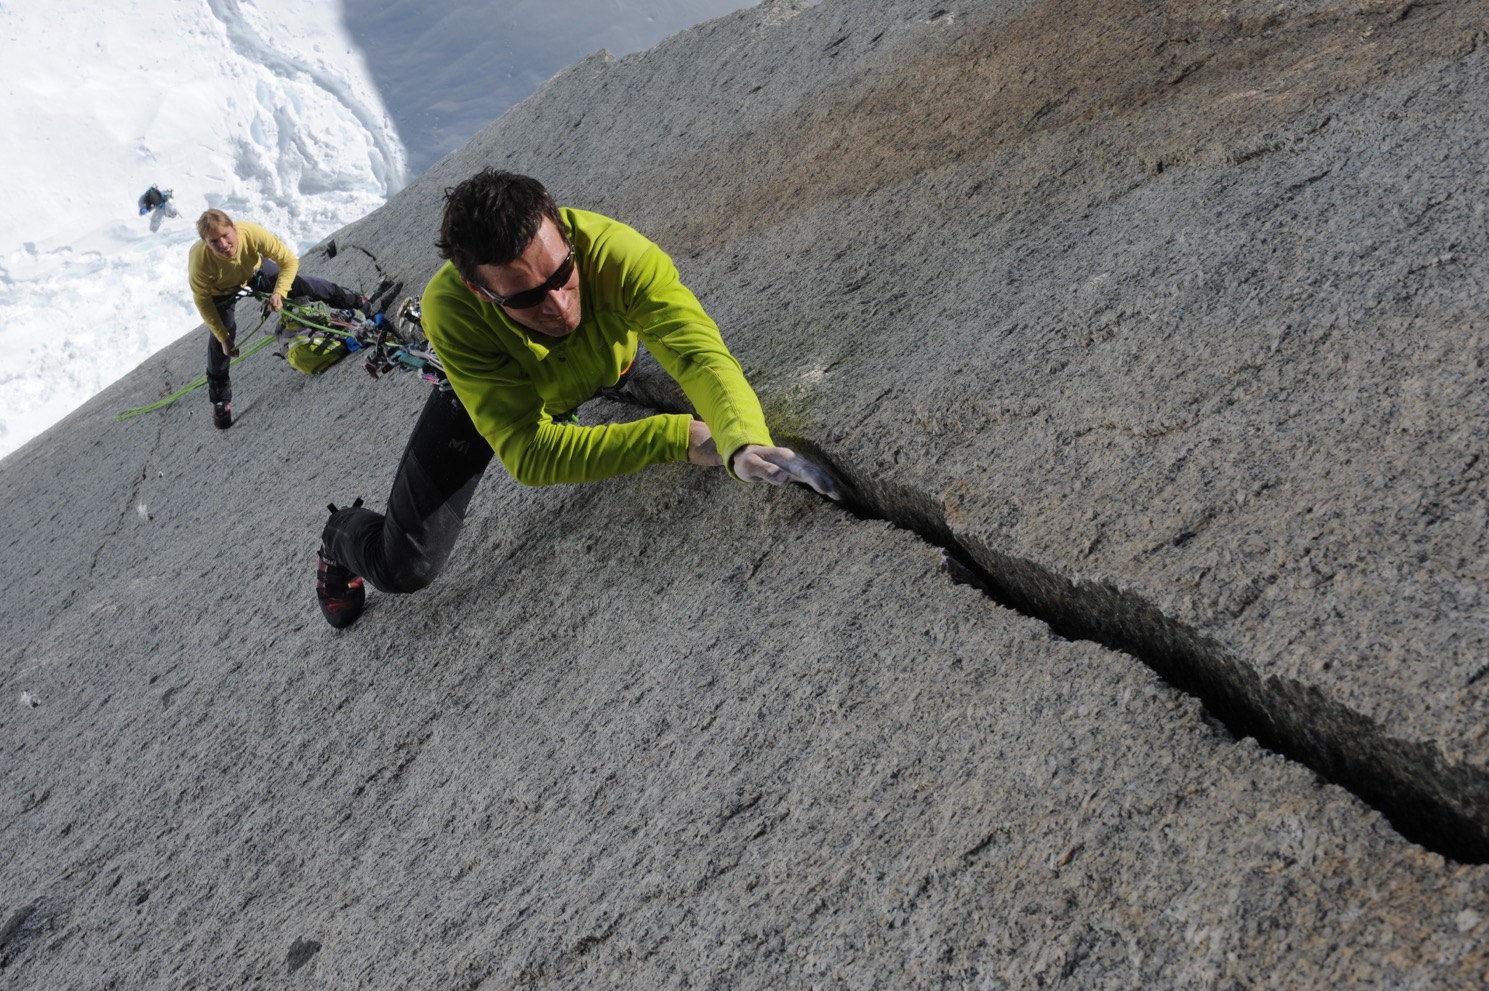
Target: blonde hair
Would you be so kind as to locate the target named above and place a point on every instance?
(212, 221)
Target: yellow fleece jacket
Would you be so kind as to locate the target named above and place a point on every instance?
(212, 275)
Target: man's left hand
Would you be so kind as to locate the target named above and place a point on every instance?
(701, 448)
(276, 302)
(779, 465)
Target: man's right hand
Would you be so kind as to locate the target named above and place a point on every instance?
(754, 463)
(779, 465)
(228, 349)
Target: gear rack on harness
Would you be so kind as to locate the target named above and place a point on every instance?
(399, 344)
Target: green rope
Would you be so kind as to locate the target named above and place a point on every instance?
(303, 314)
(308, 317)
(196, 384)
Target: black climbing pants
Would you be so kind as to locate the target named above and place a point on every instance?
(404, 550)
(443, 461)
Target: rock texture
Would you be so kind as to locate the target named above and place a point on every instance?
(1148, 652)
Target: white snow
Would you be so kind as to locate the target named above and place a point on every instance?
(263, 108)
(102, 100)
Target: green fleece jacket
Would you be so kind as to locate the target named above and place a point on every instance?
(513, 382)
(212, 275)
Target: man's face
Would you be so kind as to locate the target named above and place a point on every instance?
(224, 241)
(557, 315)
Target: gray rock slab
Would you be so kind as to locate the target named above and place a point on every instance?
(1173, 319)
(661, 731)
(1164, 327)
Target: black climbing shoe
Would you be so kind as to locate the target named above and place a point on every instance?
(341, 594)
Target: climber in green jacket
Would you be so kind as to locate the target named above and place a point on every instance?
(535, 311)
(516, 369)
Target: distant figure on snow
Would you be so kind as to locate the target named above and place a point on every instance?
(157, 203)
(231, 256)
(536, 310)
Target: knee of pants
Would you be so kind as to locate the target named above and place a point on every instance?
(409, 577)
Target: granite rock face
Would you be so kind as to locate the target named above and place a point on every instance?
(1148, 650)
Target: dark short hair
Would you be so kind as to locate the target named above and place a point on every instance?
(491, 218)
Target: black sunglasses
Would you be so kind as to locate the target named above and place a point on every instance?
(528, 298)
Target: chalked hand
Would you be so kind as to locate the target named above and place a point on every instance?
(779, 465)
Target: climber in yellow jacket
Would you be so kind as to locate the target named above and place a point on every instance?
(232, 255)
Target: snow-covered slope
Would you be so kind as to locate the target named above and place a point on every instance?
(265, 110)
